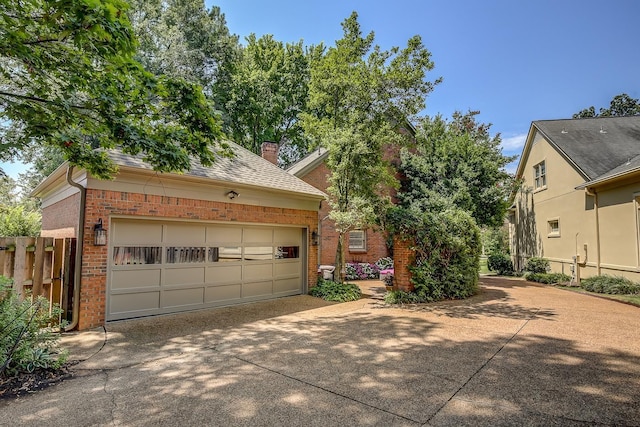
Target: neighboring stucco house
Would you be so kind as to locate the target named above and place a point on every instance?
(235, 232)
(580, 195)
(367, 245)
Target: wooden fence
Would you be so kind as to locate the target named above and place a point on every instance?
(40, 266)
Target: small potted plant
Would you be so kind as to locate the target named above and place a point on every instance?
(388, 282)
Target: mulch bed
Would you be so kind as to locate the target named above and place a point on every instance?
(25, 383)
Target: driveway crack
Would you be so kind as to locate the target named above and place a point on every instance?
(507, 342)
(323, 389)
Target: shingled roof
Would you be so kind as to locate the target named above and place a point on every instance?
(597, 147)
(306, 164)
(244, 168)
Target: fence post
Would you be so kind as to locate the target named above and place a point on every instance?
(38, 268)
(20, 266)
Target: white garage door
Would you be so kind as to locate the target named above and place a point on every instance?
(158, 267)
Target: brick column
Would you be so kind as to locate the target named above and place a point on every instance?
(402, 258)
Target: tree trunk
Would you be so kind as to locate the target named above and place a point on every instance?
(340, 272)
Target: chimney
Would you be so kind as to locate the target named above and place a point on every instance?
(270, 152)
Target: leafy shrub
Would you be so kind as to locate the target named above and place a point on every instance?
(547, 278)
(329, 290)
(447, 250)
(27, 341)
(402, 297)
(501, 264)
(385, 263)
(536, 265)
(606, 284)
(17, 221)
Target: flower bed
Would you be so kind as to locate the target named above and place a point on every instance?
(365, 270)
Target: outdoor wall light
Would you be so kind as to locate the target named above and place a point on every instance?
(314, 238)
(232, 195)
(99, 234)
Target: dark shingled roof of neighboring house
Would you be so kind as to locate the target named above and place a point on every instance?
(598, 147)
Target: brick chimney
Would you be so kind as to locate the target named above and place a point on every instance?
(270, 152)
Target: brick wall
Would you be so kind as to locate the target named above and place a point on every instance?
(61, 219)
(102, 204)
(376, 241)
(402, 257)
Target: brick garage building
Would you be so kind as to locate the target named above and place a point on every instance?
(236, 232)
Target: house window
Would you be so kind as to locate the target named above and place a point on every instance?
(553, 228)
(540, 175)
(357, 240)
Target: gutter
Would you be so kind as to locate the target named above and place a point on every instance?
(77, 274)
(592, 192)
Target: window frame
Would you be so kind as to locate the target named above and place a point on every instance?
(540, 175)
(551, 230)
(363, 247)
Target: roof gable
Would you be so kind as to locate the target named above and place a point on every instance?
(308, 163)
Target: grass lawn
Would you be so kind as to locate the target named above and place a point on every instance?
(483, 266)
(630, 299)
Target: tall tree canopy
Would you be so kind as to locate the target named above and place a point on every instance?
(456, 163)
(68, 79)
(184, 39)
(621, 105)
(359, 95)
(267, 94)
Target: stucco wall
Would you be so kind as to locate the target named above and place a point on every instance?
(576, 212)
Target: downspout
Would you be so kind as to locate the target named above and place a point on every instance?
(592, 192)
(75, 313)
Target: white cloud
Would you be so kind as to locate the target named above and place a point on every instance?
(513, 143)
(512, 167)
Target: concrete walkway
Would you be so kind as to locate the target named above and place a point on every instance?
(516, 354)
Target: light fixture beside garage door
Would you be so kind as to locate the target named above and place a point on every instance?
(99, 234)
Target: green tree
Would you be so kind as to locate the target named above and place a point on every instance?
(358, 95)
(69, 80)
(182, 39)
(456, 163)
(268, 93)
(620, 105)
(19, 221)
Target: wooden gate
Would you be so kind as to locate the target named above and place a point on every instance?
(40, 266)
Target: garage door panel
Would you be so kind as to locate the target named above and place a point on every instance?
(134, 302)
(224, 235)
(224, 274)
(287, 269)
(182, 297)
(257, 289)
(136, 233)
(222, 293)
(258, 272)
(287, 235)
(121, 279)
(186, 275)
(286, 285)
(188, 234)
(258, 235)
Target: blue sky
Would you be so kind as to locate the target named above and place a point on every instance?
(514, 60)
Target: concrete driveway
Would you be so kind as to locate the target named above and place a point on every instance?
(517, 354)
